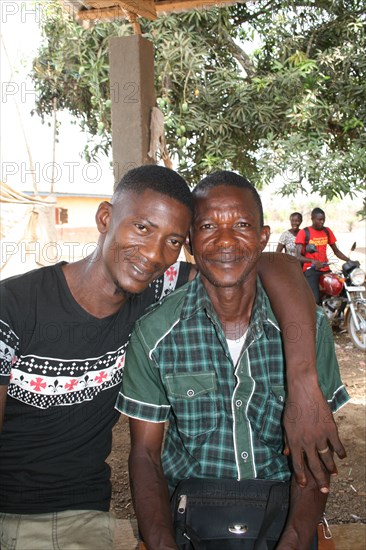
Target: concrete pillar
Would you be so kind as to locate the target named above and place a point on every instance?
(133, 96)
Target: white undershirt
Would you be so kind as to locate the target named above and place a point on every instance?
(235, 347)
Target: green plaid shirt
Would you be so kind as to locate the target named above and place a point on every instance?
(224, 419)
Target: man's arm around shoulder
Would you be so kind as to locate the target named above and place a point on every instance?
(296, 315)
(307, 503)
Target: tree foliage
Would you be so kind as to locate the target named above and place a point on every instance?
(270, 88)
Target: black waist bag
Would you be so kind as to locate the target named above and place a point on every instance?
(226, 514)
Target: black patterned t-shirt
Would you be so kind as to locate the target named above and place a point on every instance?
(65, 368)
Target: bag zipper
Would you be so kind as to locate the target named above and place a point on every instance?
(182, 504)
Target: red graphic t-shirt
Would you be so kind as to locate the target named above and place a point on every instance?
(321, 240)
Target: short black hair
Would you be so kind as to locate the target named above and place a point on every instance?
(317, 211)
(296, 214)
(225, 177)
(157, 178)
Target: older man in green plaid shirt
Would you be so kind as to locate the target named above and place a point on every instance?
(210, 361)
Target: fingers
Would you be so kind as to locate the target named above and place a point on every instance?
(333, 437)
(319, 461)
(286, 447)
(340, 450)
(326, 456)
(299, 468)
(318, 471)
(337, 446)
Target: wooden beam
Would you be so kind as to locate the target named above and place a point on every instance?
(144, 8)
(109, 9)
(100, 3)
(119, 9)
(102, 13)
(166, 6)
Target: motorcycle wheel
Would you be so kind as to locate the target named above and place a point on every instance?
(358, 337)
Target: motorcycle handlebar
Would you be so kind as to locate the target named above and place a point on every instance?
(323, 264)
(352, 263)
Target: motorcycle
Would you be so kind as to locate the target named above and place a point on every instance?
(343, 299)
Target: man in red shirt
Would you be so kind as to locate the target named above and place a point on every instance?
(313, 262)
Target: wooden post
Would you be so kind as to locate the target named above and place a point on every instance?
(133, 97)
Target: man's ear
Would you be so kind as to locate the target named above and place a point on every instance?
(265, 235)
(188, 244)
(103, 217)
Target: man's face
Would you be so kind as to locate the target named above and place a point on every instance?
(318, 221)
(143, 235)
(226, 235)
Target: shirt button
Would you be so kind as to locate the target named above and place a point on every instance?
(238, 402)
(190, 393)
(244, 456)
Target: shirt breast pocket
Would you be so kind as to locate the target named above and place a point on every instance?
(271, 432)
(193, 399)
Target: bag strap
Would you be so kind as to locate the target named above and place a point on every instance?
(273, 507)
(307, 234)
(192, 537)
(325, 539)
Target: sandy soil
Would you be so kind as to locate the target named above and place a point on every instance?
(347, 501)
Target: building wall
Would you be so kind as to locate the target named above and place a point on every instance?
(81, 210)
(79, 236)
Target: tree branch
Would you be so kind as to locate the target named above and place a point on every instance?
(242, 58)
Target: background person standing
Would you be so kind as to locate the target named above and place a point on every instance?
(287, 239)
(313, 262)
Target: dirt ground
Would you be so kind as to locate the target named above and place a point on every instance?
(347, 501)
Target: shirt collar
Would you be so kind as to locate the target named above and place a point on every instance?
(197, 300)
